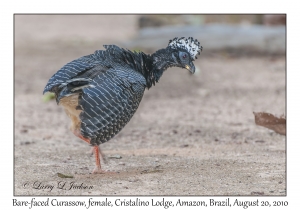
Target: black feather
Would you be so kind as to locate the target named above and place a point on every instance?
(110, 84)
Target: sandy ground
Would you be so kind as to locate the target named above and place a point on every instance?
(192, 134)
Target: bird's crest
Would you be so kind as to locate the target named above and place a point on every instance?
(189, 44)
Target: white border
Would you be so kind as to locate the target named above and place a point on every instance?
(153, 6)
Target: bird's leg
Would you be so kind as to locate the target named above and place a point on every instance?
(96, 151)
(102, 156)
(97, 168)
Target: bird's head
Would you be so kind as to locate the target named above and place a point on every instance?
(180, 53)
(184, 51)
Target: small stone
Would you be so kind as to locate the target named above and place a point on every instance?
(257, 193)
(133, 180)
(184, 145)
(115, 156)
(282, 192)
(26, 143)
(260, 141)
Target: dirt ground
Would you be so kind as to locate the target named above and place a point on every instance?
(192, 134)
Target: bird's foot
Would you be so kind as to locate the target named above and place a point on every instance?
(98, 170)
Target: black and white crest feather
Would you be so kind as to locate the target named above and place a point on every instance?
(189, 44)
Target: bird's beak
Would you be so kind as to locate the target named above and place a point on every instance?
(190, 67)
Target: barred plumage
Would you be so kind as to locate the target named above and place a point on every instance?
(101, 92)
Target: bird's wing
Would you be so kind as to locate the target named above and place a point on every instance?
(69, 71)
(109, 103)
(80, 66)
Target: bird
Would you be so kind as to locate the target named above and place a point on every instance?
(101, 92)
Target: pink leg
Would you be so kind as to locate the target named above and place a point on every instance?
(97, 168)
(97, 154)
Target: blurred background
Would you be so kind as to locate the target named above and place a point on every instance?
(220, 34)
(194, 134)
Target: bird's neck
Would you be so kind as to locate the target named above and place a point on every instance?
(156, 64)
(150, 66)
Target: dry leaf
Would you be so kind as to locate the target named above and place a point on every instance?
(270, 121)
(64, 176)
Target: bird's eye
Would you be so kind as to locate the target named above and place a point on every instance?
(183, 56)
